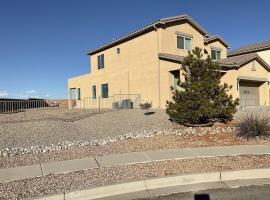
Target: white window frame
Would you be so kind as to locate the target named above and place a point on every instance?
(184, 36)
(216, 49)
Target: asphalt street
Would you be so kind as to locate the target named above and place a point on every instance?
(242, 193)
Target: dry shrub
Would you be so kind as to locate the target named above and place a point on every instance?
(253, 125)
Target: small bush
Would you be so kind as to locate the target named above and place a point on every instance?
(146, 106)
(253, 125)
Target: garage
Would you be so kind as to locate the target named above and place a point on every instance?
(249, 93)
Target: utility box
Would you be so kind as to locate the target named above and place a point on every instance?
(127, 104)
(116, 105)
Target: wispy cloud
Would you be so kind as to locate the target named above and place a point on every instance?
(3, 93)
(31, 91)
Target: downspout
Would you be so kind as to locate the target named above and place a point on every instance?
(158, 49)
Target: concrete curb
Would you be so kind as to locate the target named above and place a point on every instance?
(167, 185)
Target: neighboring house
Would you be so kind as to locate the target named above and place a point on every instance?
(250, 66)
(262, 49)
(148, 62)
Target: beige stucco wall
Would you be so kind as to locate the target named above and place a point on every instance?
(169, 39)
(137, 69)
(133, 71)
(217, 45)
(265, 55)
(231, 78)
(166, 80)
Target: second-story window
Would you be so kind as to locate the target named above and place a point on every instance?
(101, 61)
(118, 50)
(215, 54)
(184, 42)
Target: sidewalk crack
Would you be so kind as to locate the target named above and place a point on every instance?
(220, 177)
(41, 169)
(147, 190)
(96, 161)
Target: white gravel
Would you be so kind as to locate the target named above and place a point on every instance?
(107, 140)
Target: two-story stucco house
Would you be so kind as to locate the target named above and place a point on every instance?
(148, 62)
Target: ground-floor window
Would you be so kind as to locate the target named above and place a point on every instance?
(94, 92)
(79, 93)
(175, 78)
(104, 90)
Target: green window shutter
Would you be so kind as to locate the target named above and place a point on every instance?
(180, 42)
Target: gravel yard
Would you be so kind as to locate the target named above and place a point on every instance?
(54, 125)
(59, 134)
(46, 126)
(172, 139)
(101, 176)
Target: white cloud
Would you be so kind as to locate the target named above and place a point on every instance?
(3, 93)
(31, 91)
(47, 95)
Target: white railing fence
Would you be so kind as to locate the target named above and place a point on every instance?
(117, 101)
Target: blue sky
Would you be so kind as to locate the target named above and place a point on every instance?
(43, 43)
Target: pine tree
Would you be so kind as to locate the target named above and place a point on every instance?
(203, 98)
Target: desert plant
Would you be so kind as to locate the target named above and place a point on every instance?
(202, 99)
(252, 125)
(146, 106)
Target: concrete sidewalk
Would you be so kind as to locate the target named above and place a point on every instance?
(43, 169)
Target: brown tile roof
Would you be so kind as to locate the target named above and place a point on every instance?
(251, 48)
(240, 60)
(213, 38)
(229, 63)
(149, 27)
(171, 57)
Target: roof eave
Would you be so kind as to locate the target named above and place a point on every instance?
(231, 54)
(113, 43)
(218, 39)
(147, 28)
(243, 63)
